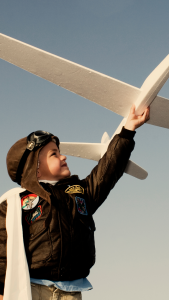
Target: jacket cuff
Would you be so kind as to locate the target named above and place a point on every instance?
(127, 134)
(1, 288)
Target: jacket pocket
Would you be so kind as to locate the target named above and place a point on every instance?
(40, 247)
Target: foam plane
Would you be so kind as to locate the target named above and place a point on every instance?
(106, 91)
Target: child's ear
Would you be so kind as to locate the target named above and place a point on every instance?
(38, 173)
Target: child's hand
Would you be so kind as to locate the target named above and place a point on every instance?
(134, 121)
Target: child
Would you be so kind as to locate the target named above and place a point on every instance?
(57, 209)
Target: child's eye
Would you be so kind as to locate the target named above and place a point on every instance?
(54, 153)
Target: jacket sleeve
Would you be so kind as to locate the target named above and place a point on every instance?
(109, 169)
(3, 241)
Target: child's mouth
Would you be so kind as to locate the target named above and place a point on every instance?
(64, 165)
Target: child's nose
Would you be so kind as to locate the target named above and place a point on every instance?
(63, 157)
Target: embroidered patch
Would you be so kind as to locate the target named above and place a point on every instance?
(81, 206)
(29, 201)
(34, 215)
(74, 189)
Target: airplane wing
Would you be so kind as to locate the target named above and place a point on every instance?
(93, 151)
(106, 91)
(90, 151)
(99, 88)
(159, 112)
(135, 170)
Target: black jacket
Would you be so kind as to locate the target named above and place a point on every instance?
(65, 249)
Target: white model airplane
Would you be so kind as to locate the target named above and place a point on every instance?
(108, 92)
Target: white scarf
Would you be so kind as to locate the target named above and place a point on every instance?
(17, 281)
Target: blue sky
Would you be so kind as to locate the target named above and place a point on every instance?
(125, 39)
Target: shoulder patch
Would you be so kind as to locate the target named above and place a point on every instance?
(73, 189)
(29, 201)
(81, 206)
(34, 215)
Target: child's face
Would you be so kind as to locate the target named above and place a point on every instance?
(52, 165)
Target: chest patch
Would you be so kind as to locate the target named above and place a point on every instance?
(81, 206)
(29, 201)
(34, 215)
(73, 189)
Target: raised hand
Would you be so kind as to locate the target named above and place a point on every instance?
(134, 121)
